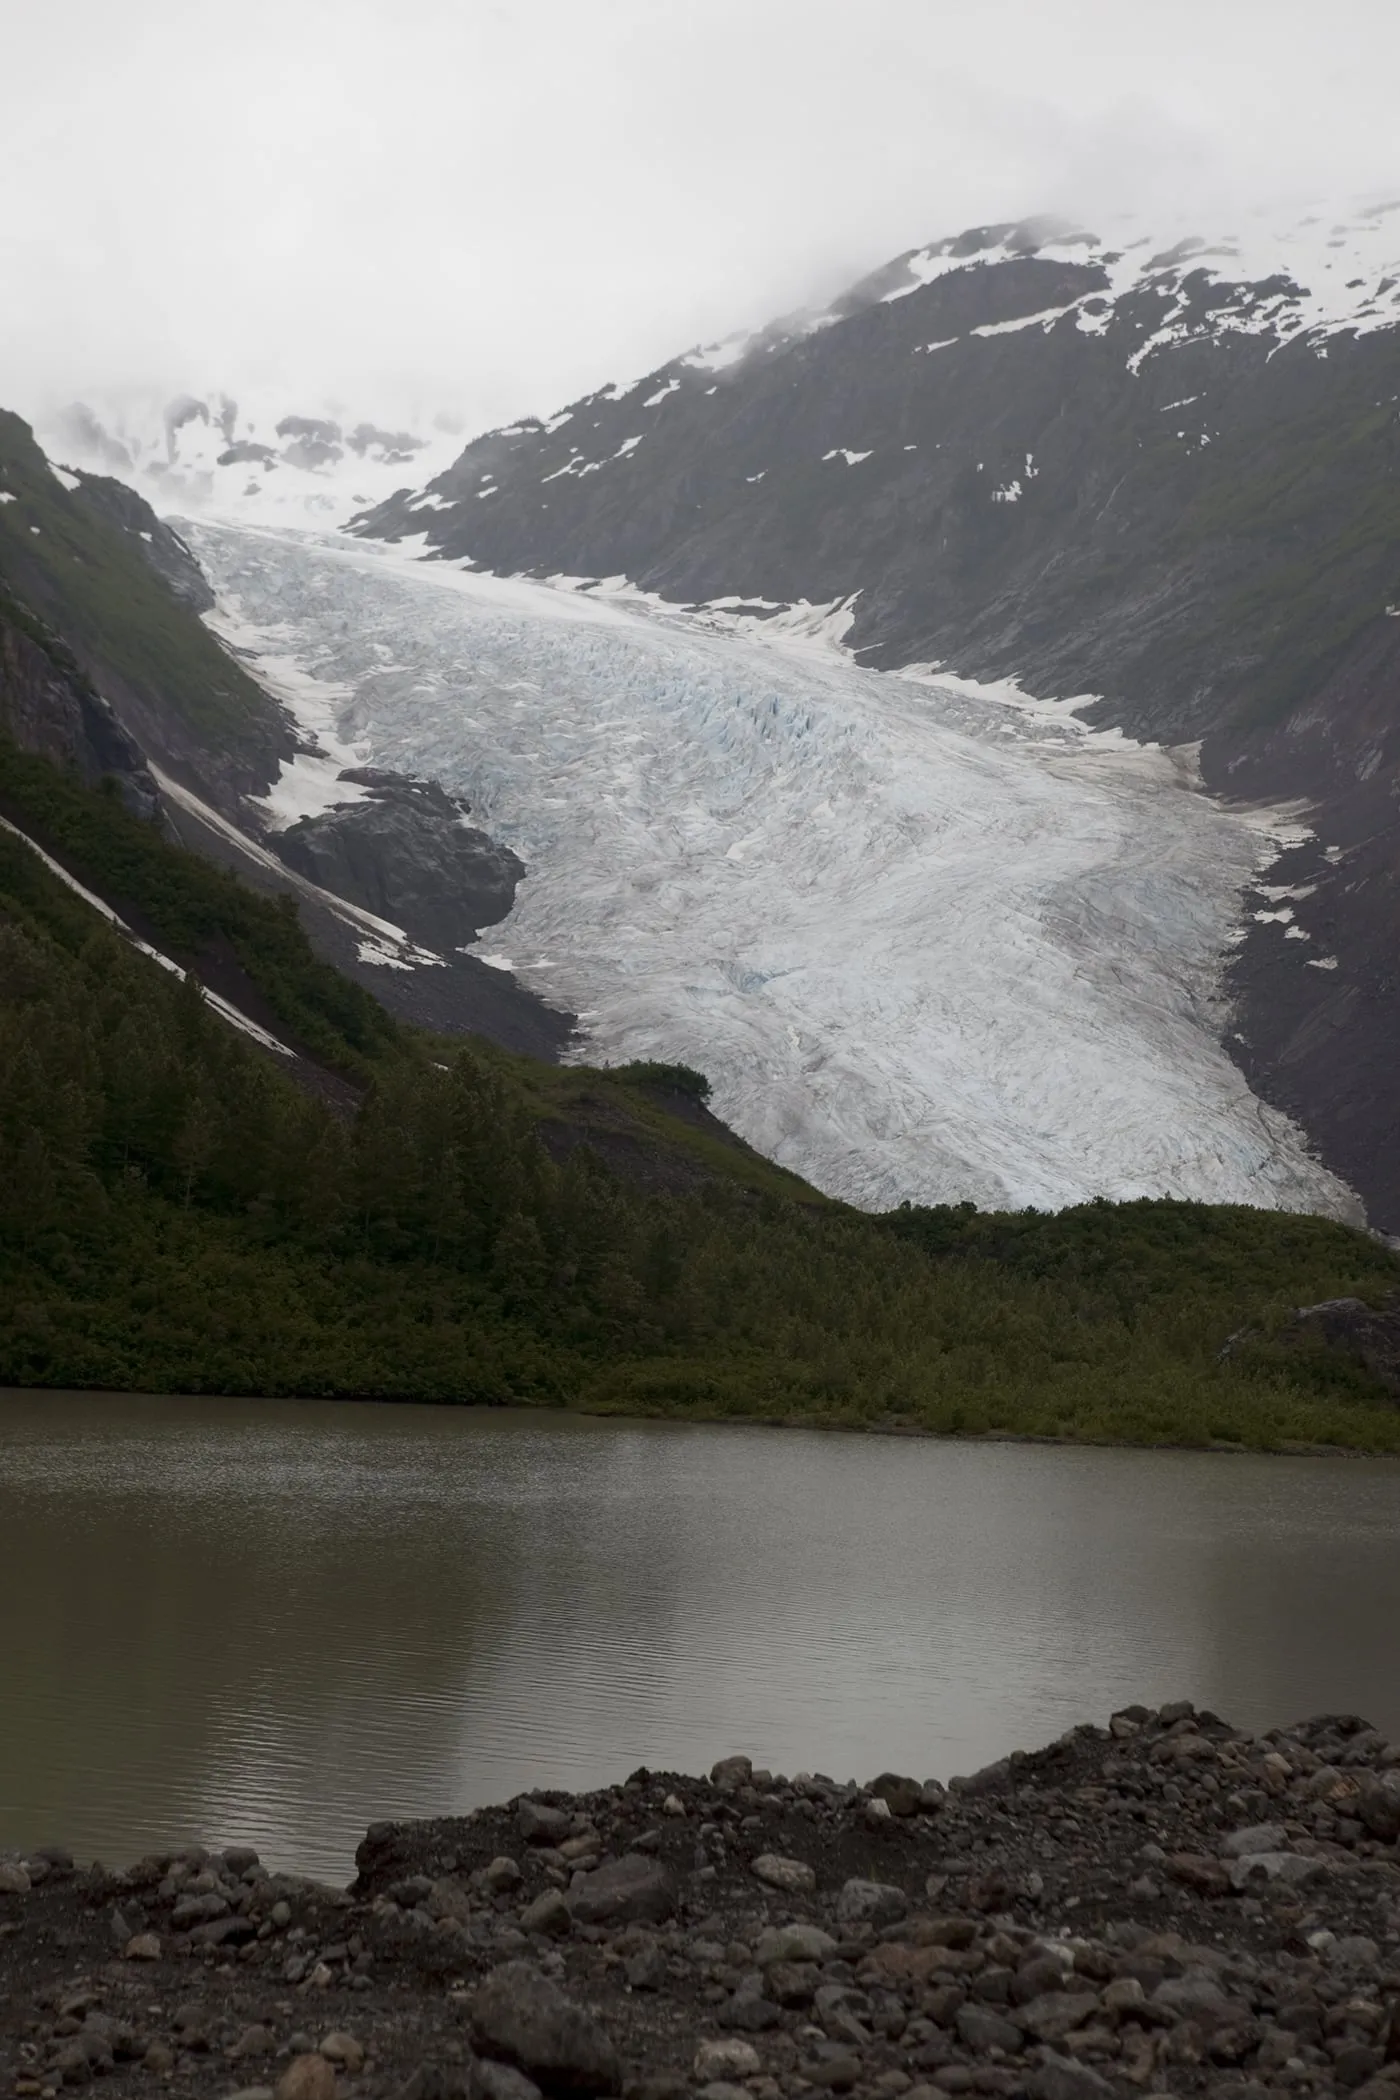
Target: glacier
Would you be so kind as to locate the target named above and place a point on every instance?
(930, 942)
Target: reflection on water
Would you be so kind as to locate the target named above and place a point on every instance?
(276, 1621)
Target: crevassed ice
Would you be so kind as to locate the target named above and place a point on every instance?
(918, 956)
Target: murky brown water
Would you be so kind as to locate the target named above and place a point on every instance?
(277, 1621)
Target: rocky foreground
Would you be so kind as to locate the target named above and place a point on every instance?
(1168, 1905)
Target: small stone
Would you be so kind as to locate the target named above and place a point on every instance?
(673, 1806)
(1061, 2078)
(731, 1772)
(1057, 2014)
(791, 1875)
(321, 1977)
(444, 2082)
(1208, 1877)
(981, 2029)
(903, 1797)
(344, 2049)
(728, 2058)
(548, 1914)
(307, 2078)
(251, 2092)
(750, 2012)
(630, 1890)
(793, 1983)
(645, 1969)
(1260, 1867)
(1258, 1837)
(539, 1824)
(520, 2016)
(159, 2057)
(254, 2041)
(871, 1903)
(493, 2081)
(14, 1879)
(501, 1874)
(143, 1946)
(793, 1943)
(837, 2073)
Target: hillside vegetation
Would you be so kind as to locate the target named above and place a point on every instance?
(62, 553)
(178, 1214)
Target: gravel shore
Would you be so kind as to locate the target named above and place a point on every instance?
(1164, 1906)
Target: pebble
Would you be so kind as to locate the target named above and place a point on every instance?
(727, 2059)
(779, 1872)
(344, 2049)
(307, 2077)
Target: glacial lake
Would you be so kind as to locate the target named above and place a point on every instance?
(275, 1622)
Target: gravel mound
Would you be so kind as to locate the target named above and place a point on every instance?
(1166, 1906)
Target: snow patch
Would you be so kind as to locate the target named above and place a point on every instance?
(62, 476)
(672, 386)
(852, 459)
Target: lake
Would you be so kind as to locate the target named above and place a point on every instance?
(276, 1621)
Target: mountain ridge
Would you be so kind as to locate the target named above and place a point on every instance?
(1152, 480)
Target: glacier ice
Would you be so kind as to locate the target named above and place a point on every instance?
(927, 942)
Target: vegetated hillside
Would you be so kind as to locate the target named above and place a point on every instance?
(96, 565)
(461, 1224)
(1169, 477)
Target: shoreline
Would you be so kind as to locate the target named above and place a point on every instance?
(1217, 1448)
(1164, 1906)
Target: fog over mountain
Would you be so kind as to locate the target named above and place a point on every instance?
(486, 209)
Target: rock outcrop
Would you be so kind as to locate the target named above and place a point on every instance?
(407, 853)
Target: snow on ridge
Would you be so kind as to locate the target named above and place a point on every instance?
(1311, 274)
(929, 939)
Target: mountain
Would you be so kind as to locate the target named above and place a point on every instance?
(226, 1166)
(107, 664)
(267, 453)
(1161, 474)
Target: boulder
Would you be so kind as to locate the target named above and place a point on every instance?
(630, 1890)
(519, 2017)
(777, 1872)
(871, 1903)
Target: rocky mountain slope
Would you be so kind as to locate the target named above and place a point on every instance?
(1164, 474)
(107, 665)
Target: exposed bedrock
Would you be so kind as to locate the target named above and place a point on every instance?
(407, 854)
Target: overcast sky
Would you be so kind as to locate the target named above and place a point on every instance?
(496, 204)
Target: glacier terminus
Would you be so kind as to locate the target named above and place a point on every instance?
(930, 942)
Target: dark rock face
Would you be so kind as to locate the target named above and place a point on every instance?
(49, 705)
(1016, 469)
(158, 542)
(407, 855)
(1371, 1335)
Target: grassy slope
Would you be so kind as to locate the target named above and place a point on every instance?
(114, 612)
